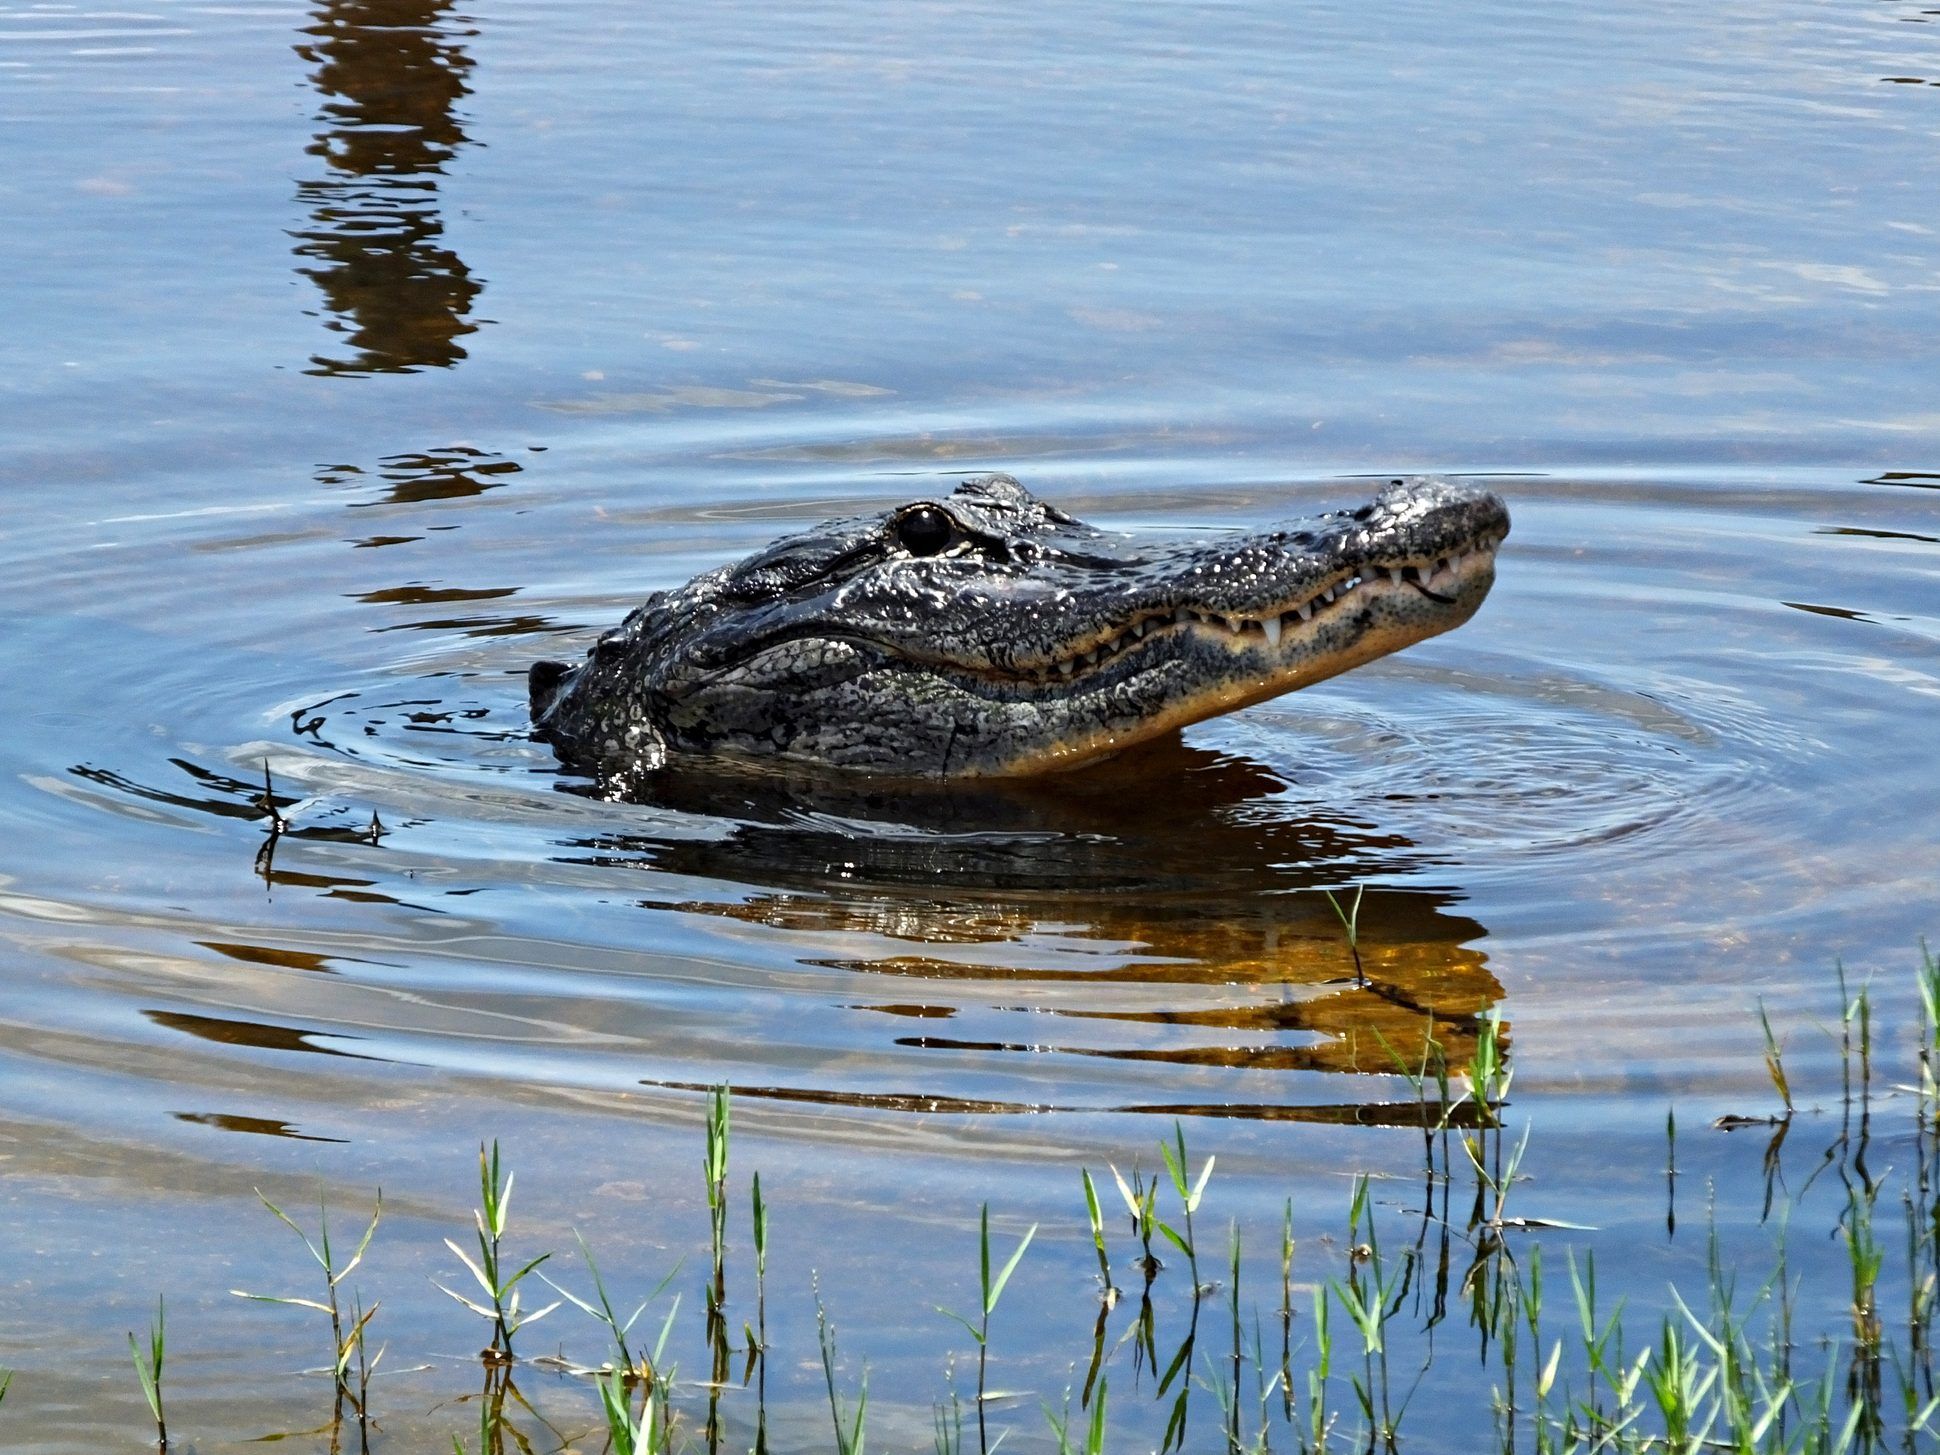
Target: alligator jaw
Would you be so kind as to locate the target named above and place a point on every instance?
(1232, 659)
(1260, 633)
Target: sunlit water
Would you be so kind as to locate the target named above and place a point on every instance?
(355, 356)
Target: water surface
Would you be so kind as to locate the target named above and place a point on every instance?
(357, 355)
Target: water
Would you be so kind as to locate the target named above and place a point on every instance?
(356, 355)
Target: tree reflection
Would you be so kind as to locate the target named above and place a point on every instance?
(392, 73)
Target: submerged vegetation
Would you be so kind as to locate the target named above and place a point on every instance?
(1759, 1363)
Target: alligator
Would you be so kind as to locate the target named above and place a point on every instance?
(987, 634)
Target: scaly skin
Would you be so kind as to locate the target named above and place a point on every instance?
(1004, 638)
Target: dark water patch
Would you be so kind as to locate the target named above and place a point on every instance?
(1879, 535)
(452, 473)
(251, 1126)
(257, 1035)
(1839, 611)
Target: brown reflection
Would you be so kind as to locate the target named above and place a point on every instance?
(1844, 613)
(272, 956)
(453, 473)
(875, 1100)
(257, 1034)
(1164, 910)
(418, 594)
(254, 1126)
(391, 74)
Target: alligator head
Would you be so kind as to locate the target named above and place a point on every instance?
(988, 634)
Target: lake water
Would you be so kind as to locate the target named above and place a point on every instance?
(356, 354)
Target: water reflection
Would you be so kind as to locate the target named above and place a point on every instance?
(457, 472)
(227, 796)
(257, 1035)
(392, 73)
(1193, 933)
(1149, 937)
(254, 1126)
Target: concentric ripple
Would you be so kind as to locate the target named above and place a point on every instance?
(1615, 748)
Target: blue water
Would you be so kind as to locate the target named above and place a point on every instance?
(355, 355)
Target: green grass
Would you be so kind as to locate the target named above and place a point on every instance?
(347, 1343)
(504, 1312)
(992, 1289)
(148, 1368)
(1729, 1362)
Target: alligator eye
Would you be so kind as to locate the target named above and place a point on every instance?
(923, 530)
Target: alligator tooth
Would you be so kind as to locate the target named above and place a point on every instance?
(1067, 666)
(1271, 626)
(1394, 575)
(1144, 626)
(1328, 596)
(1306, 611)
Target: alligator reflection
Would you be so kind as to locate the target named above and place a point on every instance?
(392, 74)
(1166, 909)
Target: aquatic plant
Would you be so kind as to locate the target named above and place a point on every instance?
(1189, 1195)
(992, 1289)
(632, 1366)
(649, 1432)
(1721, 1367)
(849, 1426)
(344, 1344)
(504, 1313)
(1109, 1292)
(1350, 923)
(148, 1368)
(1094, 1435)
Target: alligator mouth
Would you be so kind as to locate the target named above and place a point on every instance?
(1281, 624)
(1440, 580)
